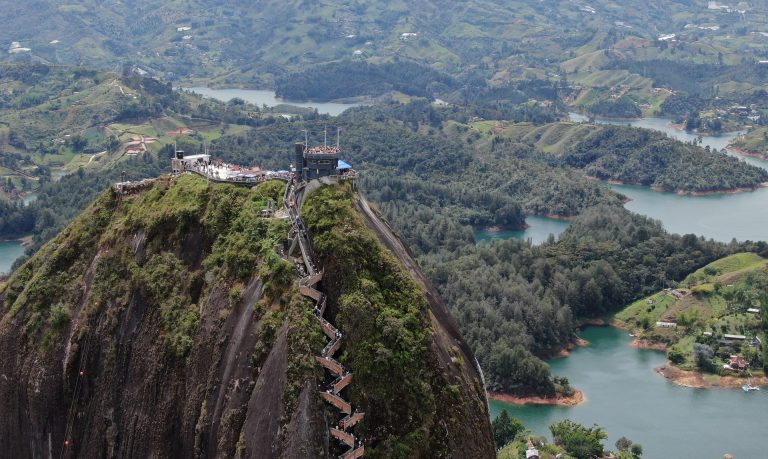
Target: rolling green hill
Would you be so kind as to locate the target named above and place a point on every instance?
(235, 42)
(707, 305)
(55, 120)
(629, 155)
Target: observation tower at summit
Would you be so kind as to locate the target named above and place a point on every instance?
(320, 161)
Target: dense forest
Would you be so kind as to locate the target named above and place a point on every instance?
(515, 300)
(436, 181)
(354, 78)
(623, 107)
(649, 158)
(401, 157)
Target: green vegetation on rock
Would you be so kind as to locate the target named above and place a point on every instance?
(385, 318)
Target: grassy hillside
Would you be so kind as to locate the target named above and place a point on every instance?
(629, 155)
(55, 121)
(232, 43)
(754, 142)
(708, 304)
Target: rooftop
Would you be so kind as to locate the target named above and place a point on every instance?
(322, 150)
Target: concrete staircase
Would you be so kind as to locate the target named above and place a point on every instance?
(300, 242)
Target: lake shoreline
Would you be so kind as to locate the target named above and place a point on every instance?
(576, 399)
(282, 100)
(269, 98)
(560, 217)
(640, 343)
(568, 349)
(700, 380)
(603, 117)
(655, 189)
(704, 133)
(500, 228)
(731, 191)
(747, 153)
(24, 241)
(627, 397)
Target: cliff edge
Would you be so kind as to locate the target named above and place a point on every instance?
(165, 322)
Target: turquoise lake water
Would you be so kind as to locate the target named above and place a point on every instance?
(539, 229)
(9, 252)
(624, 394)
(722, 217)
(626, 397)
(265, 97)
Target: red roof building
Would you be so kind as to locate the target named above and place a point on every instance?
(738, 364)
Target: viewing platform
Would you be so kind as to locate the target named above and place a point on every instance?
(221, 172)
(321, 161)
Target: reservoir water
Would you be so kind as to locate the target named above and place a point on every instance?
(539, 229)
(664, 125)
(626, 397)
(722, 217)
(265, 97)
(29, 198)
(9, 252)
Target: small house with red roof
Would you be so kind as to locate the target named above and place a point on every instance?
(738, 364)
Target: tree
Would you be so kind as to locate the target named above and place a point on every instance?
(579, 441)
(692, 121)
(716, 125)
(623, 444)
(675, 355)
(626, 447)
(78, 143)
(506, 428)
(764, 320)
(703, 355)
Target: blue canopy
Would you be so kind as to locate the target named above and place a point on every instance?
(343, 165)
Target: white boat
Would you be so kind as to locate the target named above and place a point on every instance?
(749, 387)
